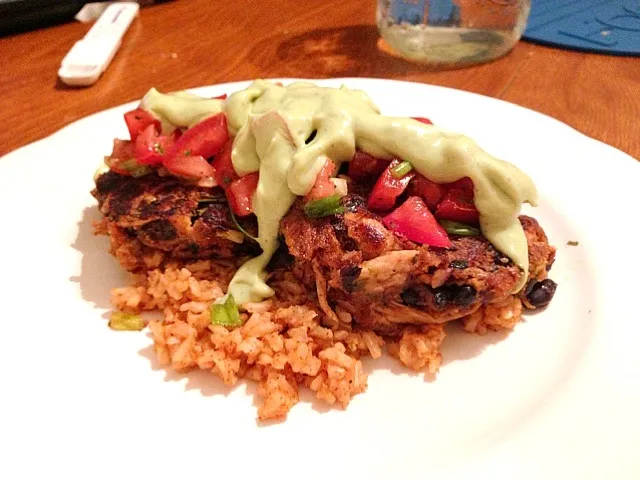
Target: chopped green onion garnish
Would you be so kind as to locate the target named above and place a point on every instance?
(323, 207)
(134, 168)
(455, 228)
(233, 311)
(401, 169)
(125, 321)
(218, 314)
(225, 314)
(239, 227)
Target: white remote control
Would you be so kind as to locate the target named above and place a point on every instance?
(89, 57)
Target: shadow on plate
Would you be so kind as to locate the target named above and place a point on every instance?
(457, 346)
(211, 385)
(99, 270)
(202, 380)
(460, 345)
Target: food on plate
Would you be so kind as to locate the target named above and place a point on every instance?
(287, 231)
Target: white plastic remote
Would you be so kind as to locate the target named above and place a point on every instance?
(89, 57)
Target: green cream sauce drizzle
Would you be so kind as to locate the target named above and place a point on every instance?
(271, 124)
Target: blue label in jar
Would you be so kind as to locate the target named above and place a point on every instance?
(407, 11)
(430, 12)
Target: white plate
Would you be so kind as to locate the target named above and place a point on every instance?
(557, 398)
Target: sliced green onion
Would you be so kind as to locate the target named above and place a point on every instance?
(323, 207)
(218, 314)
(455, 228)
(239, 227)
(135, 169)
(233, 311)
(226, 314)
(401, 169)
(125, 321)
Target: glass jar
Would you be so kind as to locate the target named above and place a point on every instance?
(451, 32)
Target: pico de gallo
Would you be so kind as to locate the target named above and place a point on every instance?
(411, 205)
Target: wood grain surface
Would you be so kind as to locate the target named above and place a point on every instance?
(189, 43)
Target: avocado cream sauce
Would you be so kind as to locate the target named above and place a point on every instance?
(272, 123)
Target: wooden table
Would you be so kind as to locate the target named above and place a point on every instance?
(189, 43)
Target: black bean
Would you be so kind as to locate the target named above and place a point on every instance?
(281, 258)
(459, 264)
(441, 297)
(348, 276)
(527, 289)
(458, 295)
(542, 292)
(464, 295)
(412, 298)
(353, 202)
(342, 234)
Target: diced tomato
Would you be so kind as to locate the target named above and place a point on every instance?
(221, 97)
(204, 139)
(138, 120)
(151, 148)
(122, 159)
(363, 165)
(457, 205)
(423, 120)
(225, 173)
(323, 186)
(432, 193)
(194, 166)
(414, 220)
(388, 188)
(240, 194)
(123, 150)
(465, 183)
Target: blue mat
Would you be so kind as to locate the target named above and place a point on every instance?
(605, 26)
